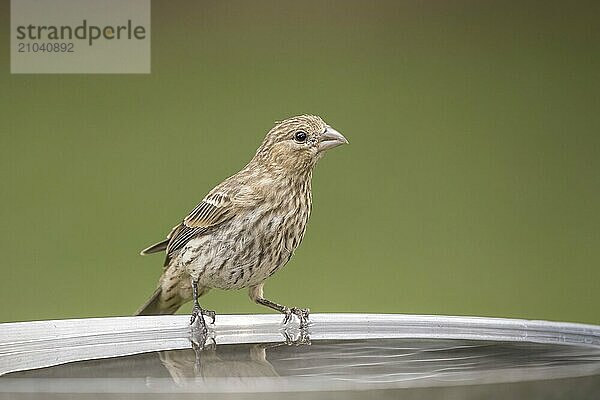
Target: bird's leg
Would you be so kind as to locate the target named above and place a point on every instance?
(198, 312)
(256, 294)
(196, 309)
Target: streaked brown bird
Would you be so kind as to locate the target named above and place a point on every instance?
(248, 226)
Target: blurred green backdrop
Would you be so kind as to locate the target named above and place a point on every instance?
(471, 185)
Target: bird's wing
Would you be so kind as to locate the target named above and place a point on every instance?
(181, 236)
(160, 246)
(214, 209)
(220, 205)
(155, 248)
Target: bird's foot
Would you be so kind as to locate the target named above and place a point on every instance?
(301, 313)
(210, 314)
(198, 316)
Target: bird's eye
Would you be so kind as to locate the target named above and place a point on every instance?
(300, 136)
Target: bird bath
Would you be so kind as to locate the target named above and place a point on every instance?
(340, 356)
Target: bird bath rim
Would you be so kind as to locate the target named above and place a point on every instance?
(37, 344)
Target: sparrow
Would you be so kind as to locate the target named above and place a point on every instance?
(248, 226)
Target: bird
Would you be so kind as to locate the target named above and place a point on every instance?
(247, 227)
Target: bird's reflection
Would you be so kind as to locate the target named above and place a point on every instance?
(243, 363)
(378, 362)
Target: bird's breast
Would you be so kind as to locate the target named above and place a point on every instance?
(250, 247)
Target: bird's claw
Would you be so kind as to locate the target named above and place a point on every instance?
(210, 314)
(198, 315)
(301, 313)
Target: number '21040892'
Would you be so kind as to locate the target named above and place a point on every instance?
(45, 47)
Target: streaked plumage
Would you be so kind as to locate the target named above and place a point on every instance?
(249, 225)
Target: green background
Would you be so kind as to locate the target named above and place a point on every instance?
(471, 185)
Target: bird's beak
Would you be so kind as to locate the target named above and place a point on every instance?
(330, 139)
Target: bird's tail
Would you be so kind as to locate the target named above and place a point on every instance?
(156, 305)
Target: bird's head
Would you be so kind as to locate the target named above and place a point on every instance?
(297, 143)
